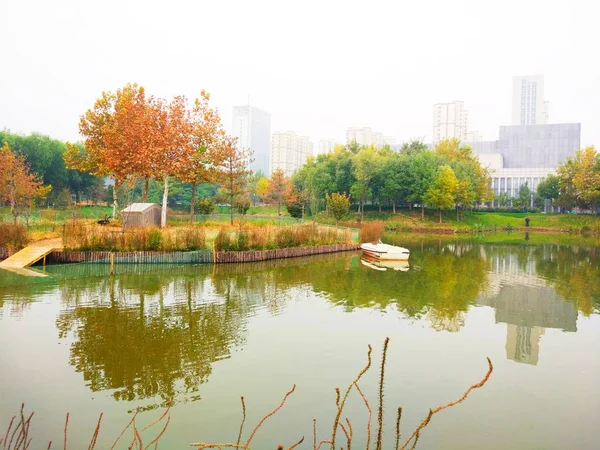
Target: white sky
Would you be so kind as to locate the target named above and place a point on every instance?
(317, 66)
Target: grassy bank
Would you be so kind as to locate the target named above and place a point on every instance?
(501, 237)
(411, 221)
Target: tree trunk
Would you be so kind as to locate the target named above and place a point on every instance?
(193, 202)
(422, 211)
(380, 206)
(457, 219)
(440, 210)
(279, 208)
(146, 188)
(231, 209)
(163, 212)
(394, 206)
(115, 200)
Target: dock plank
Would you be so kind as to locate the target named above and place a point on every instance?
(31, 254)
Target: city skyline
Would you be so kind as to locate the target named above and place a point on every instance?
(229, 59)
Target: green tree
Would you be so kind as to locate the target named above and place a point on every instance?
(422, 172)
(441, 194)
(339, 205)
(548, 189)
(523, 200)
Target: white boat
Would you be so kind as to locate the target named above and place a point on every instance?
(376, 264)
(385, 252)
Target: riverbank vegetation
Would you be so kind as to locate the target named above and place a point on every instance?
(273, 237)
(83, 237)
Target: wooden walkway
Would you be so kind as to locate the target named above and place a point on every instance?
(31, 254)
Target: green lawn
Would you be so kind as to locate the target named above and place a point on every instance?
(407, 220)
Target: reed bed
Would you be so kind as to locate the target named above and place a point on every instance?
(341, 435)
(85, 237)
(13, 236)
(371, 231)
(272, 237)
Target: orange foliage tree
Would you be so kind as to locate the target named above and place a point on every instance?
(233, 172)
(18, 186)
(280, 188)
(170, 140)
(204, 153)
(116, 138)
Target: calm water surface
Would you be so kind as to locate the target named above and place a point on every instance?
(85, 342)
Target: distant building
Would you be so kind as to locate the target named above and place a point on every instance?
(473, 136)
(326, 145)
(528, 105)
(450, 120)
(289, 151)
(366, 136)
(252, 127)
(527, 154)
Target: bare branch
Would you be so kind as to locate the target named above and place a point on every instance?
(426, 421)
(269, 415)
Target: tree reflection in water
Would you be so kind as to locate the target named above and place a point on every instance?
(153, 332)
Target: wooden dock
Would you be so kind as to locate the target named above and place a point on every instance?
(31, 254)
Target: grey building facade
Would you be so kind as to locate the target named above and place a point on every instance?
(533, 146)
(252, 127)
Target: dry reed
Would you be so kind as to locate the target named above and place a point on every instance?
(273, 237)
(371, 231)
(22, 442)
(13, 236)
(81, 236)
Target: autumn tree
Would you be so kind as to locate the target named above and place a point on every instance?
(202, 157)
(280, 188)
(18, 186)
(338, 204)
(233, 171)
(261, 189)
(587, 178)
(441, 193)
(169, 139)
(116, 138)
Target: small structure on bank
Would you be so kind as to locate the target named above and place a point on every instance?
(141, 215)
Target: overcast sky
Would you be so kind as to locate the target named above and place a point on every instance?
(317, 66)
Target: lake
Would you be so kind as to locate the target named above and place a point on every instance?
(84, 342)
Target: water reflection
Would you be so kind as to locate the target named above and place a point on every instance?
(154, 332)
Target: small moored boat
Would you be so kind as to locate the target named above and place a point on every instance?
(384, 252)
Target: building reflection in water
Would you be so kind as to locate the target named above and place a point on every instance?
(525, 303)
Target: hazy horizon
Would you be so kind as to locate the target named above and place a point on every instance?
(317, 67)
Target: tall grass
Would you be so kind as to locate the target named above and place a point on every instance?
(80, 236)
(371, 231)
(13, 236)
(271, 237)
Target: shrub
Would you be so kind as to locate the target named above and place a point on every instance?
(13, 236)
(193, 238)
(371, 231)
(338, 204)
(153, 239)
(206, 206)
(223, 241)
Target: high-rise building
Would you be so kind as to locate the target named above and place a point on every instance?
(366, 136)
(326, 145)
(528, 106)
(450, 120)
(252, 127)
(289, 151)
